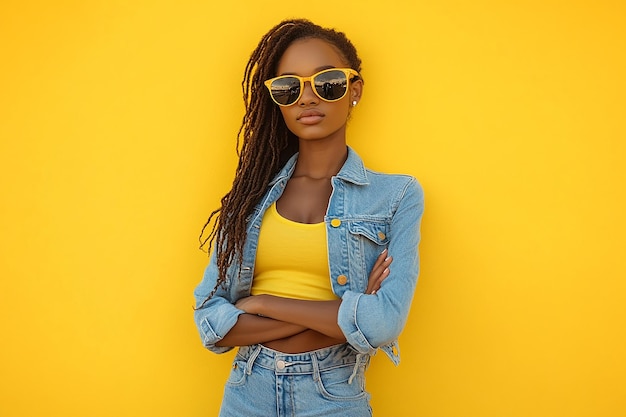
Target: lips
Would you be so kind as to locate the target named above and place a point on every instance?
(310, 117)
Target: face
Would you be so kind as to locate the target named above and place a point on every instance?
(312, 118)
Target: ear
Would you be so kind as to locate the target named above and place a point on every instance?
(356, 91)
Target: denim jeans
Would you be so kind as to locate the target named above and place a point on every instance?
(325, 382)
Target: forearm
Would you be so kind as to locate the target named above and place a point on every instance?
(320, 316)
(252, 329)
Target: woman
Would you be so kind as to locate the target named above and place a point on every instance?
(300, 277)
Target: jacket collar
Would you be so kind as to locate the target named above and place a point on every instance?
(353, 170)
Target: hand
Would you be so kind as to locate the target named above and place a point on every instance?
(380, 271)
(251, 305)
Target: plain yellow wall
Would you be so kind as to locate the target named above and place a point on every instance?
(117, 138)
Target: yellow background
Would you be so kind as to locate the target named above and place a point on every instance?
(118, 123)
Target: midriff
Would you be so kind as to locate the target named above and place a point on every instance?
(306, 341)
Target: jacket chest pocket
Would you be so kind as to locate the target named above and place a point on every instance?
(368, 238)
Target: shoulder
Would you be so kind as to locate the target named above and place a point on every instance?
(403, 185)
(378, 178)
(376, 186)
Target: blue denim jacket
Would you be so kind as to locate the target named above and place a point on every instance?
(367, 212)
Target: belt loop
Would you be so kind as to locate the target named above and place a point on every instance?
(357, 364)
(252, 358)
(316, 367)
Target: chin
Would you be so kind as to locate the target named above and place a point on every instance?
(316, 132)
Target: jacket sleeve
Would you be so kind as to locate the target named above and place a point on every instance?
(371, 321)
(218, 315)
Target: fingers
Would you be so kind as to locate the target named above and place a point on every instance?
(382, 262)
(381, 258)
(379, 272)
(383, 275)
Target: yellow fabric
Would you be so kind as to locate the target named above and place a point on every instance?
(292, 259)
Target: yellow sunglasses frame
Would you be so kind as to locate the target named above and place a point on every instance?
(347, 72)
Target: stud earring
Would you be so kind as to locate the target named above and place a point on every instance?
(354, 103)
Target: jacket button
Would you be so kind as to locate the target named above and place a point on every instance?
(342, 280)
(381, 235)
(335, 222)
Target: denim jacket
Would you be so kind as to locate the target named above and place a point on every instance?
(367, 212)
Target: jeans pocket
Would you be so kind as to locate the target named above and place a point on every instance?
(333, 383)
(237, 375)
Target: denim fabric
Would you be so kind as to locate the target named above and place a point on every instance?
(367, 212)
(322, 383)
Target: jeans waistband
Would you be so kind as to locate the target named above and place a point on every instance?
(302, 363)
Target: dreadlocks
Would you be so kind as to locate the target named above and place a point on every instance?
(264, 143)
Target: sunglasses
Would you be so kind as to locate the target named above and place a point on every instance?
(329, 85)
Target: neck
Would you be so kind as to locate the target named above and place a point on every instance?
(320, 159)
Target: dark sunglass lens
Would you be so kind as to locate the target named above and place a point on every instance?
(286, 90)
(331, 85)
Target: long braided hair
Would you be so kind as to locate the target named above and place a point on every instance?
(264, 143)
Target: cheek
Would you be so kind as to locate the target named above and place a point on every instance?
(283, 111)
(341, 113)
(289, 116)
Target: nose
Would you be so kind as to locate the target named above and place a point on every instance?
(308, 95)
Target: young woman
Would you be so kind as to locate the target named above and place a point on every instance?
(301, 276)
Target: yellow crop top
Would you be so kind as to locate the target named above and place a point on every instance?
(292, 259)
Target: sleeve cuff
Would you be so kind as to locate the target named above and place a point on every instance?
(212, 333)
(347, 321)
